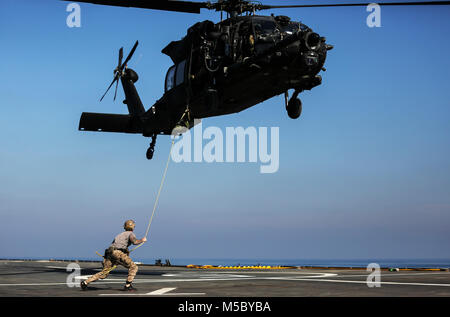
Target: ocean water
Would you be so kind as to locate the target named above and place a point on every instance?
(354, 263)
(357, 263)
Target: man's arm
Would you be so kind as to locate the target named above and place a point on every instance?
(136, 241)
(144, 239)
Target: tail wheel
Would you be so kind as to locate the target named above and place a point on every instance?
(151, 149)
(294, 108)
(150, 152)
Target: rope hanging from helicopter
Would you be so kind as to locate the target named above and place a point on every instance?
(157, 196)
(154, 206)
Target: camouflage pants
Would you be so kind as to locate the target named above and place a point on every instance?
(116, 258)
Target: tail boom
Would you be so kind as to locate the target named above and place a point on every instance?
(105, 122)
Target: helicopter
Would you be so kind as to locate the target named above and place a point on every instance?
(220, 68)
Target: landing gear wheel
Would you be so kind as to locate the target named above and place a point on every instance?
(294, 108)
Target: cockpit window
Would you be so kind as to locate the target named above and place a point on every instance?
(290, 28)
(170, 78)
(175, 75)
(264, 27)
(180, 73)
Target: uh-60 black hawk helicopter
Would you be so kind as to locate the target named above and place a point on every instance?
(221, 68)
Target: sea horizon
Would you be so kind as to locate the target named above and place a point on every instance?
(357, 263)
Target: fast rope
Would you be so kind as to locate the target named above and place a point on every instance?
(154, 206)
(157, 196)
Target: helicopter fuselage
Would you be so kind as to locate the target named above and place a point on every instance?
(221, 69)
(227, 67)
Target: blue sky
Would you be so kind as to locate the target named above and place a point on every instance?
(364, 173)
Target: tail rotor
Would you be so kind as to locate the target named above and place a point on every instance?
(118, 72)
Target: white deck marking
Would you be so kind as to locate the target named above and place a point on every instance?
(85, 277)
(359, 282)
(162, 291)
(394, 274)
(159, 292)
(34, 284)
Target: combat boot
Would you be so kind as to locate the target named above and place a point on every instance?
(83, 285)
(129, 288)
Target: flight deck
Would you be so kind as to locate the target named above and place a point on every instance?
(62, 278)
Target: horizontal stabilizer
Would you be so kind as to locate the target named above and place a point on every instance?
(104, 122)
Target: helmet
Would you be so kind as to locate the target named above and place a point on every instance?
(129, 225)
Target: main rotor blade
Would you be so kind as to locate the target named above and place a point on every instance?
(116, 77)
(166, 5)
(129, 55)
(265, 7)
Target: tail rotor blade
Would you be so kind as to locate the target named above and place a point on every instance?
(118, 72)
(120, 57)
(115, 93)
(129, 55)
(115, 78)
